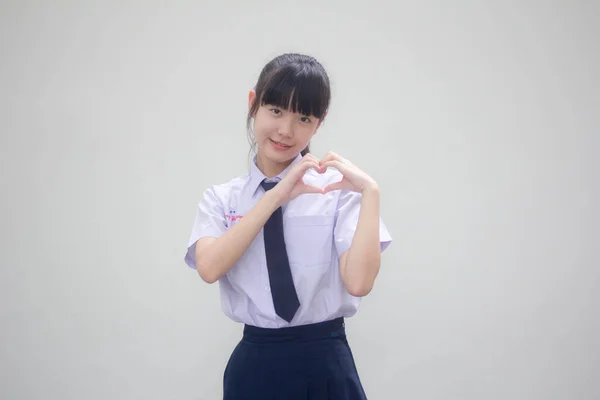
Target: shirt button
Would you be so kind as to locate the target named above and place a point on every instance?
(266, 288)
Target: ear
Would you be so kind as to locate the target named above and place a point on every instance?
(251, 98)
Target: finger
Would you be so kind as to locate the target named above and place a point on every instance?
(335, 186)
(310, 164)
(307, 159)
(327, 163)
(300, 169)
(311, 189)
(335, 164)
(305, 166)
(328, 157)
(311, 159)
(332, 156)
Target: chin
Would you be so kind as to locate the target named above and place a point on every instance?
(280, 157)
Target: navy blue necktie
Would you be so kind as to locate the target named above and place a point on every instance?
(283, 291)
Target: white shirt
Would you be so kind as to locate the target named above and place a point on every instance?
(318, 228)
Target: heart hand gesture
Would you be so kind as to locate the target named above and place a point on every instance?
(292, 185)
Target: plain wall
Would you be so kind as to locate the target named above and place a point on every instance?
(479, 120)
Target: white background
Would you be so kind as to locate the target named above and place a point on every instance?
(479, 120)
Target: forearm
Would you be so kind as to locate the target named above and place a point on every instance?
(216, 258)
(361, 264)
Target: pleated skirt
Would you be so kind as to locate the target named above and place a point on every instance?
(309, 362)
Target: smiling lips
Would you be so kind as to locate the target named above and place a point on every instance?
(278, 145)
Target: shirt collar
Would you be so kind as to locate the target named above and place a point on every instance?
(256, 175)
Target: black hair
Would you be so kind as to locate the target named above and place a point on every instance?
(293, 81)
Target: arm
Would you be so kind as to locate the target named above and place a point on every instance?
(360, 256)
(359, 265)
(216, 256)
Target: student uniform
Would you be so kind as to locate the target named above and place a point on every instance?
(307, 357)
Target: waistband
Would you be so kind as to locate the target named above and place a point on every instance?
(321, 330)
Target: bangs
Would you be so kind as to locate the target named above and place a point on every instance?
(298, 88)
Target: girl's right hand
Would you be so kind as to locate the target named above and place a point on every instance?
(292, 185)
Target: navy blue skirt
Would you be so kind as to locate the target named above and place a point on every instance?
(309, 362)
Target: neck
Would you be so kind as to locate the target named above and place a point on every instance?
(271, 168)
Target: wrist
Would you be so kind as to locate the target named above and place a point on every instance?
(273, 199)
(370, 188)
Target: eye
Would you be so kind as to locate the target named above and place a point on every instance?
(275, 111)
(305, 119)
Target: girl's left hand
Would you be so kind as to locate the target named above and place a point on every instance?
(354, 179)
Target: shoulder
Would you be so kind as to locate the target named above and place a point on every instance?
(223, 191)
(231, 185)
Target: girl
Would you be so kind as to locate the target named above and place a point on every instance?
(294, 244)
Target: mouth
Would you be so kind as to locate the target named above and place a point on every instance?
(279, 145)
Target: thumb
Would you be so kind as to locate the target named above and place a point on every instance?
(311, 189)
(335, 186)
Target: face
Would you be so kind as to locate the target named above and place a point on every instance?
(281, 134)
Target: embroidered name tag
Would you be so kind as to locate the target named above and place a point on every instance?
(232, 216)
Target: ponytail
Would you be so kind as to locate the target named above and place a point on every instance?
(305, 151)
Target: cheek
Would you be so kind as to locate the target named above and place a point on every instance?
(306, 132)
(263, 128)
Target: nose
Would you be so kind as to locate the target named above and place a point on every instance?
(286, 128)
